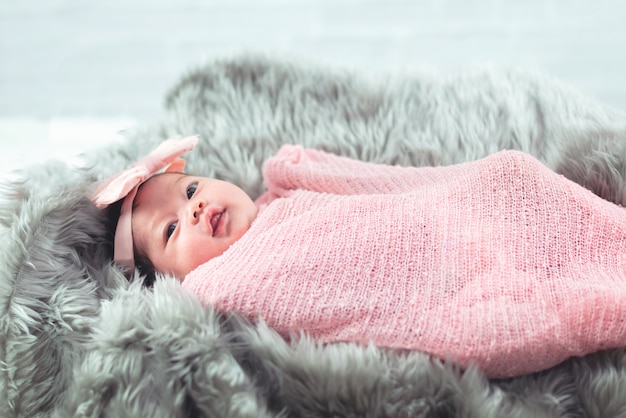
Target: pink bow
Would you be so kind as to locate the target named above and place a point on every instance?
(167, 153)
(125, 185)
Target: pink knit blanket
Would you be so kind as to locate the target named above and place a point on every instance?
(499, 262)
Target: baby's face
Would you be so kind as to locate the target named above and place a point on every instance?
(182, 221)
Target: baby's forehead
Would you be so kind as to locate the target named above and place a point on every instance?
(151, 195)
(157, 182)
(163, 177)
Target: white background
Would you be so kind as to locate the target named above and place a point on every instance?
(75, 72)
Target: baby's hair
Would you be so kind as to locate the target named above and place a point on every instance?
(112, 214)
(142, 263)
(146, 269)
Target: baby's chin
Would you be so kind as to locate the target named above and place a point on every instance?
(184, 270)
(240, 230)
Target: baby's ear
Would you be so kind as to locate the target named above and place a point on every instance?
(177, 166)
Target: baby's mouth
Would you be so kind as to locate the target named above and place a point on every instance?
(216, 221)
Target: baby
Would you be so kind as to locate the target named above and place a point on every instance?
(499, 262)
(173, 222)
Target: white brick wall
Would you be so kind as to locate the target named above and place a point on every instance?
(74, 72)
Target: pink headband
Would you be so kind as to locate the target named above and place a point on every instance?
(125, 185)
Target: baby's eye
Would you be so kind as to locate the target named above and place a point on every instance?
(170, 229)
(191, 190)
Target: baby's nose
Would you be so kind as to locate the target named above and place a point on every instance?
(196, 209)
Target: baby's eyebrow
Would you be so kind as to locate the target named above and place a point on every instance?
(180, 178)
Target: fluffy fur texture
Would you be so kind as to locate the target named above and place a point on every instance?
(77, 339)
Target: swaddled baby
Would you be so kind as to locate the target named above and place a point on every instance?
(499, 262)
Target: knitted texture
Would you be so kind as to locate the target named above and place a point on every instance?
(499, 262)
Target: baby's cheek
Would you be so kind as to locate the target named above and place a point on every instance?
(198, 256)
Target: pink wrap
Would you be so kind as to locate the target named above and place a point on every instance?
(498, 262)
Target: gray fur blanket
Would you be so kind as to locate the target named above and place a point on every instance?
(77, 339)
